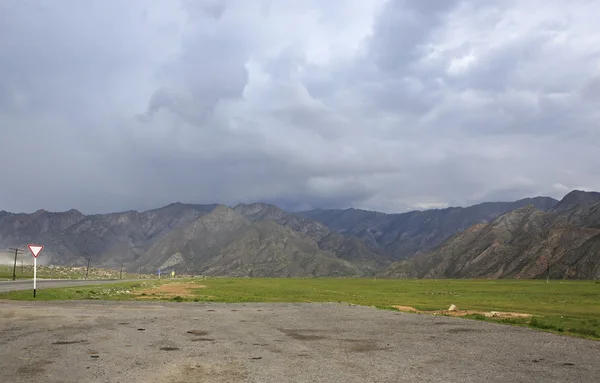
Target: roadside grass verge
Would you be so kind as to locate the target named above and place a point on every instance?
(61, 272)
(117, 291)
(565, 307)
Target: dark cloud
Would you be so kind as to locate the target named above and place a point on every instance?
(403, 29)
(386, 105)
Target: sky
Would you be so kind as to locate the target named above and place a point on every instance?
(388, 105)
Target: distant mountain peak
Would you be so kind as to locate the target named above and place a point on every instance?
(221, 211)
(577, 198)
(182, 205)
(259, 210)
(582, 194)
(256, 205)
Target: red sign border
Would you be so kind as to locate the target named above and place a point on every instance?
(29, 247)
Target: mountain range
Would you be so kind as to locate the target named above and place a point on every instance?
(489, 240)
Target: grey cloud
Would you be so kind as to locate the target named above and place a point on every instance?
(389, 105)
(212, 8)
(403, 27)
(591, 90)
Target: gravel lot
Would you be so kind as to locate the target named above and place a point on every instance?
(101, 341)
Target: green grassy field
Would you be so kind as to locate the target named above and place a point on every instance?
(44, 272)
(570, 307)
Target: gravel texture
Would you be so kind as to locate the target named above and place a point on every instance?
(104, 341)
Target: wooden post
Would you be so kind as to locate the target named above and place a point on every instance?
(15, 264)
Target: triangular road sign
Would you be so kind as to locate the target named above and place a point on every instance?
(35, 249)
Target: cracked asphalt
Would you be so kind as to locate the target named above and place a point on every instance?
(103, 341)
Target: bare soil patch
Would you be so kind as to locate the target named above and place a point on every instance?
(301, 334)
(169, 290)
(198, 332)
(462, 313)
(69, 341)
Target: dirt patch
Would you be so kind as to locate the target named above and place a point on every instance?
(462, 313)
(461, 329)
(69, 341)
(298, 334)
(359, 345)
(169, 290)
(169, 348)
(198, 332)
(34, 368)
(407, 309)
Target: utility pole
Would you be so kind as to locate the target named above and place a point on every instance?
(88, 269)
(548, 271)
(121, 274)
(17, 251)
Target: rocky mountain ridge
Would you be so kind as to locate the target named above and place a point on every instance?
(407, 234)
(263, 240)
(563, 242)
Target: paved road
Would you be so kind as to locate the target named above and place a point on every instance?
(27, 284)
(191, 342)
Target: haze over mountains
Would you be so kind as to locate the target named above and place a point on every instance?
(489, 240)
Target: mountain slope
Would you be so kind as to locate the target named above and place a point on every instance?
(190, 246)
(408, 234)
(519, 244)
(224, 242)
(144, 240)
(348, 247)
(263, 240)
(108, 239)
(267, 249)
(122, 237)
(18, 230)
(576, 199)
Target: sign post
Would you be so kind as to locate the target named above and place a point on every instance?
(35, 251)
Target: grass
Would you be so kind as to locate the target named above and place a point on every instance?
(45, 272)
(567, 307)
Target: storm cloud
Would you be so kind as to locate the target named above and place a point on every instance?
(110, 105)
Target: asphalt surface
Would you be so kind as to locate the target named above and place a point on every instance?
(146, 342)
(27, 284)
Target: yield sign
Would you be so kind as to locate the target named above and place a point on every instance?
(35, 249)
